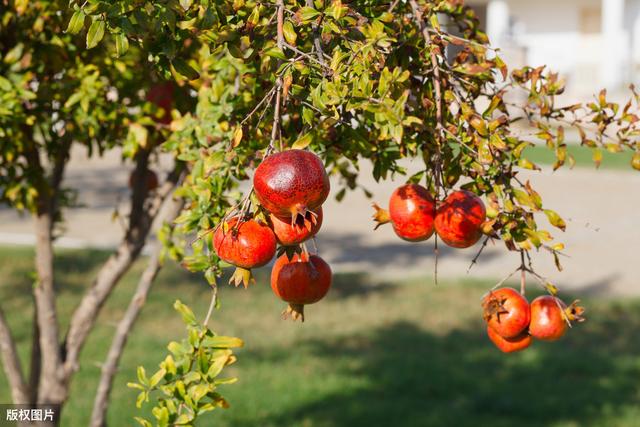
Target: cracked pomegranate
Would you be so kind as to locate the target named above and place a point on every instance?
(506, 312)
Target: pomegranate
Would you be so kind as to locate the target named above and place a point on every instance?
(301, 280)
(161, 94)
(247, 244)
(150, 177)
(459, 219)
(291, 183)
(292, 232)
(411, 212)
(506, 312)
(510, 345)
(547, 320)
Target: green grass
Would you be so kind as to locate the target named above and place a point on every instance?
(401, 353)
(542, 155)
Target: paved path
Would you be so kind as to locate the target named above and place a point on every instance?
(602, 209)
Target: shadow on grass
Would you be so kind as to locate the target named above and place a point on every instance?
(400, 375)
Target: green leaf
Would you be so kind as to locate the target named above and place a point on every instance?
(95, 33)
(433, 19)
(308, 13)
(184, 69)
(122, 44)
(76, 23)
(155, 379)
(187, 315)
(220, 341)
(275, 52)
(143, 422)
(142, 376)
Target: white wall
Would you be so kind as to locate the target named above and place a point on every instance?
(548, 32)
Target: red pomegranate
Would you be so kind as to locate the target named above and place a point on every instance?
(506, 312)
(249, 244)
(161, 94)
(411, 212)
(510, 345)
(151, 179)
(547, 320)
(459, 219)
(290, 183)
(290, 232)
(304, 279)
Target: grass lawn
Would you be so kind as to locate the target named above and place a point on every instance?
(404, 353)
(542, 155)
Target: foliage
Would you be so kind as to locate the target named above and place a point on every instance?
(361, 81)
(188, 376)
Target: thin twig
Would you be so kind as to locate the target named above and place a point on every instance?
(262, 101)
(501, 282)
(474, 261)
(212, 304)
(523, 277)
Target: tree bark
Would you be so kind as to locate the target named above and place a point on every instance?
(110, 366)
(85, 315)
(11, 364)
(52, 387)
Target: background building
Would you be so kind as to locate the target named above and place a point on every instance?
(592, 43)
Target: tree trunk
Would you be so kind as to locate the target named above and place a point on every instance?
(52, 385)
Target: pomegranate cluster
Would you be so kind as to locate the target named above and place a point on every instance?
(291, 187)
(513, 323)
(414, 216)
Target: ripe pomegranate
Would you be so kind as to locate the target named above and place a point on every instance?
(248, 244)
(510, 345)
(161, 94)
(291, 183)
(301, 280)
(411, 212)
(303, 227)
(151, 179)
(506, 312)
(459, 219)
(547, 320)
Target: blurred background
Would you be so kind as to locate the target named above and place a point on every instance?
(388, 346)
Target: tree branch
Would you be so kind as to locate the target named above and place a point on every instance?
(11, 363)
(171, 211)
(141, 220)
(317, 41)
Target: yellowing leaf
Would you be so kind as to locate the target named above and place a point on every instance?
(303, 141)
(555, 219)
(237, 136)
(289, 33)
